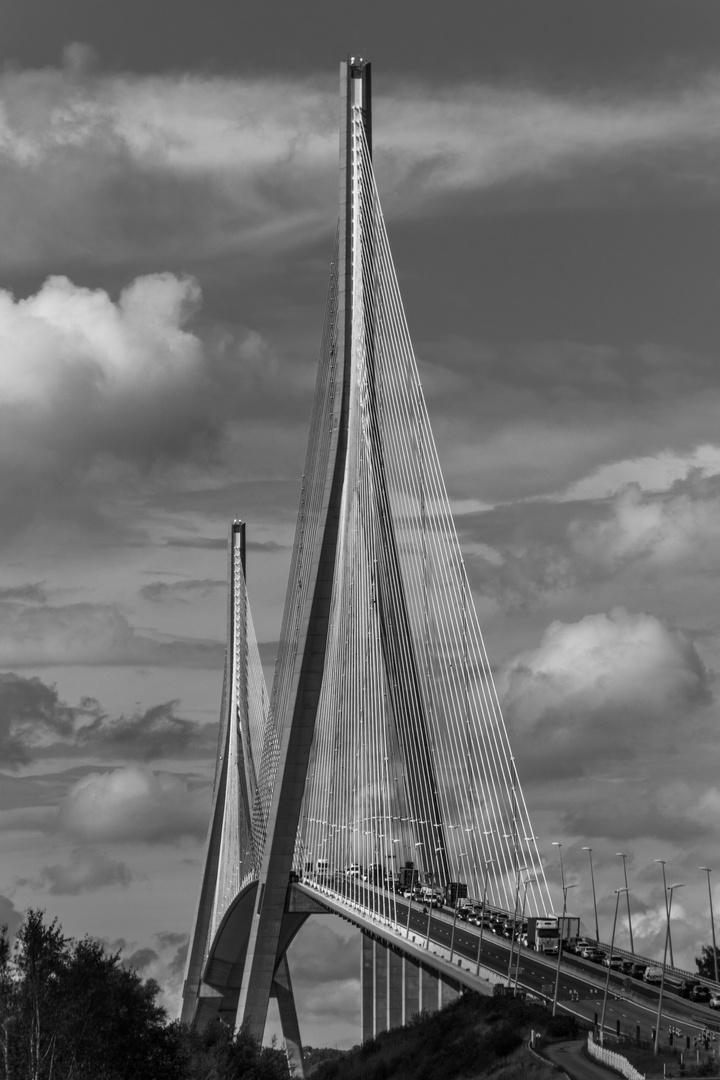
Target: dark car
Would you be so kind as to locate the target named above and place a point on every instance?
(686, 987)
(700, 994)
(637, 970)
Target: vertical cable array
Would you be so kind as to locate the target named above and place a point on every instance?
(411, 760)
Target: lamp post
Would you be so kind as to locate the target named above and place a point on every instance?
(558, 845)
(462, 855)
(712, 922)
(522, 920)
(623, 856)
(482, 917)
(607, 981)
(670, 889)
(520, 870)
(592, 880)
(667, 910)
(560, 943)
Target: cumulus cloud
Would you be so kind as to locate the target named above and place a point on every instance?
(87, 871)
(597, 691)
(660, 530)
(133, 803)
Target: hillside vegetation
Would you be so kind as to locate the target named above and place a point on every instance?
(474, 1037)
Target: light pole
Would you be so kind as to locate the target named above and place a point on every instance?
(522, 920)
(623, 856)
(712, 922)
(670, 889)
(462, 855)
(482, 917)
(560, 943)
(558, 845)
(667, 909)
(520, 870)
(592, 879)
(607, 981)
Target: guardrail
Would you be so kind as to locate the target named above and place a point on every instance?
(615, 1061)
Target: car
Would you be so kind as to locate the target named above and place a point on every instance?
(637, 970)
(613, 962)
(578, 945)
(700, 994)
(593, 953)
(627, 967)
(714, 1001)
(686, 987)
(653, 974)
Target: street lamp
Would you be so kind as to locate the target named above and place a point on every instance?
(667, 910)
(592, 879)
(462, 855)
(520, 870)
(482, 917)
(560, 943)
(607, 981)
(670, 889)
(712, 922)
(558, 845)
(623, 856)
(522, 920)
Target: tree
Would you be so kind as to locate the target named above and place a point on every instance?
(705, 963)
(71, 1011)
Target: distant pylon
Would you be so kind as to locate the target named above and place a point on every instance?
(232, 849)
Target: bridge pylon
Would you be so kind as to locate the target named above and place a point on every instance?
(384, 754)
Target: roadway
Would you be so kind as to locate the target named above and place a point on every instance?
(632, 1004)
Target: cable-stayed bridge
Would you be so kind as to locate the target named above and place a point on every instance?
(382, 747)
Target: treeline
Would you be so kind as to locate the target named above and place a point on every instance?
(71, 1011)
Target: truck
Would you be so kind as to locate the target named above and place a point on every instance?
(544, 933)
(407, 877)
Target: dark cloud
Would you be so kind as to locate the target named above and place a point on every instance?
(141, 959)
(182, 592)
(35, 722)
(200, 542)
(86, 872)
(31, 592)
(31, 713)
(155, 733)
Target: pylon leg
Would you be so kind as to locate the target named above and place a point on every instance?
(282, 989)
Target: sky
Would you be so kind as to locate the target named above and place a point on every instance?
(550, 178)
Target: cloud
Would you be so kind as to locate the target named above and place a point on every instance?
(86, 872)
(665, 531)
(156, 732)
(9, 915)
(31, 715)
(32, 592)
(133, 803)
(601, 690)
(93, 634)
(182, 592)
(166, 165)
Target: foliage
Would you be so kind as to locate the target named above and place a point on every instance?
(473, 1037)
(71, 1011)
(705, 962)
